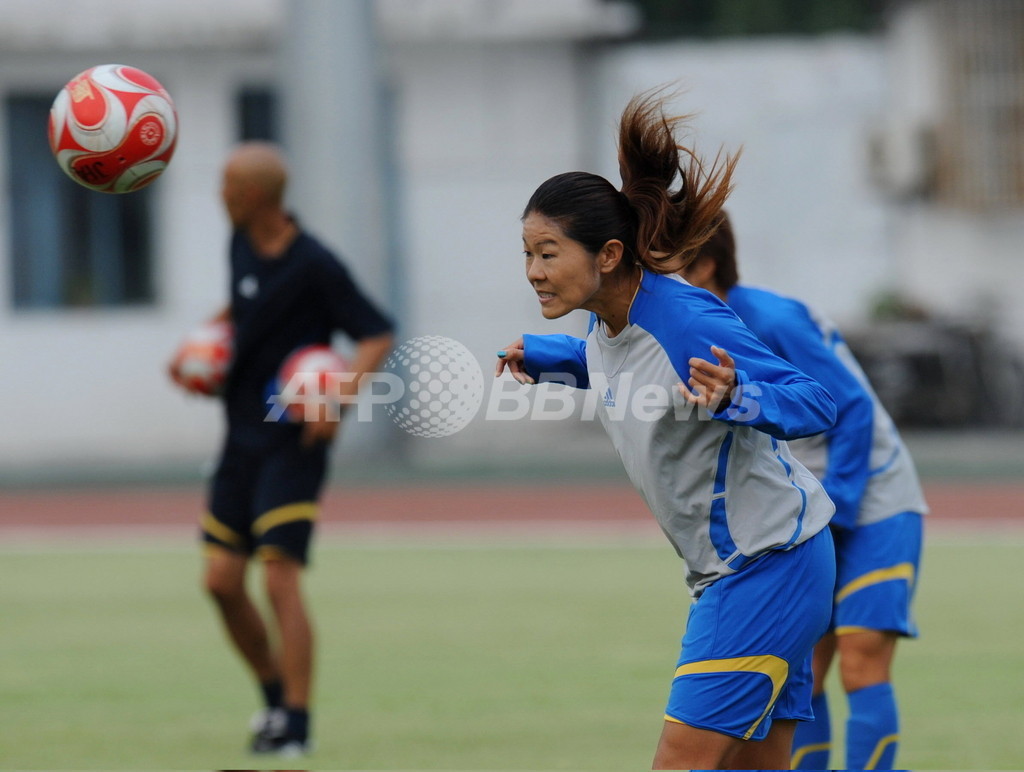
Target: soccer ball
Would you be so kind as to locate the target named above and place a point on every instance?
(113, 128)
(202, 360)
(310, 376)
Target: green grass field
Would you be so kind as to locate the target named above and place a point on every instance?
(513, 657)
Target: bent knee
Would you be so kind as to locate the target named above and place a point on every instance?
(865, 659)
(224, 580)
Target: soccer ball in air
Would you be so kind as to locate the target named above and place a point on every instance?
(113, 128)
(201, 362)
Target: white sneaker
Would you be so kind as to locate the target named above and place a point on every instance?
(293, 749)
(268, 728)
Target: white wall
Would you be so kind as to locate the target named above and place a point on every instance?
(965, 265)
(480, 125)
(807, 220)
(480, 128)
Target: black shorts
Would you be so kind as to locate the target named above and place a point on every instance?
(264, 502)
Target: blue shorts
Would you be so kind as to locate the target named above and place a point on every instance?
(877, 575)
(264, 502)
(746, 655)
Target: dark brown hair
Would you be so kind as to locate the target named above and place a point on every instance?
(661, 228)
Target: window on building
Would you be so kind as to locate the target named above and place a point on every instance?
(70, 246)
(257, 114)
(980, 135)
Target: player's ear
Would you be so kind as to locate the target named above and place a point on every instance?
(610, 255)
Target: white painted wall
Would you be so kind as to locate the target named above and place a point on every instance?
(807, 221)
(480, 123)
(481, 126)
(480, 129)
(965, 265)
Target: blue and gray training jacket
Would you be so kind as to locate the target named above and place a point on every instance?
(724, 488)
(862, 461)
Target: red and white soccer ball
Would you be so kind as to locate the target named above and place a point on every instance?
(113, 128)
(310, 376)
(202, 360)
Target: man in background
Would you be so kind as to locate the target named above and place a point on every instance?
(287, 291)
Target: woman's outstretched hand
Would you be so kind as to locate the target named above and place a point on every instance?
(512, 357)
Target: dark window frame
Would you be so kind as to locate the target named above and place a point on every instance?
(70, 247)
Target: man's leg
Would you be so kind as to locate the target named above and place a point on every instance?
(872, 731)
(286, 499)
(284, 589)
(224, 580)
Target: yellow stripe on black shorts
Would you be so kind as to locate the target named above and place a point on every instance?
(215, 528)
(289, 513)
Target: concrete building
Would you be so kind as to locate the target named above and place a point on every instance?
(481, 102)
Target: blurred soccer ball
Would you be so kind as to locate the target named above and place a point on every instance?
(113, 128)
(202, 360)
(309, 377)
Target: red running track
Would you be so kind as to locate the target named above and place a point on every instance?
(982, 504)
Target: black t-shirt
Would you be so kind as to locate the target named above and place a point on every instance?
(277, 306)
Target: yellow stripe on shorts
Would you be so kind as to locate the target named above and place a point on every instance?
(851, 629)
(903, 571)
(290, 513)
(219, 531)
(270, 552)
(776, 668)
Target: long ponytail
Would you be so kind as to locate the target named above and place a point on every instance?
(671, 225)
(660, 229)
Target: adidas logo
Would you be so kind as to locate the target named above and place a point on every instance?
(609, 398)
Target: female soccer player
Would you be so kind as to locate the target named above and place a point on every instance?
(749, 520)
(869, 475)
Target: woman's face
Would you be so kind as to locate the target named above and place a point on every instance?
(563, 273)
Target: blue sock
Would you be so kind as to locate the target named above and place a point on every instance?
(873, 729)
(813, 739)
